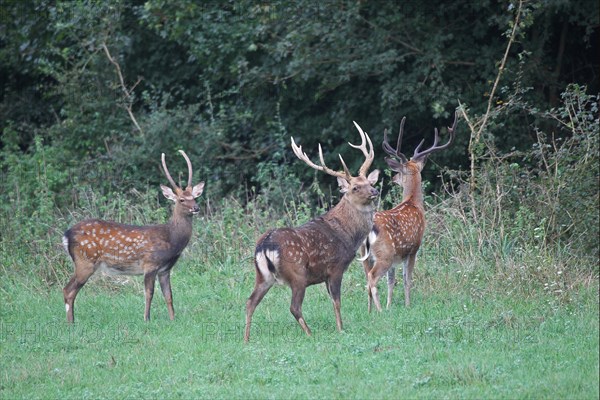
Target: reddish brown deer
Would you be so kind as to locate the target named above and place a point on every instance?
(150, 250)
(397, 233)
(320, 250)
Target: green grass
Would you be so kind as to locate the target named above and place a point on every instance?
(468, 335)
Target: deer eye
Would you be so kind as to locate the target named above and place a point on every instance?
(355, 188)
(181, 200)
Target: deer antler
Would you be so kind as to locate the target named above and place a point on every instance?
(369, 154)
(164, 164)
(302, 156)
(451, 131)
(391, 151)
(189, 164)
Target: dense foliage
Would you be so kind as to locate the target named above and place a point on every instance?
(506, 283)
(93, 92)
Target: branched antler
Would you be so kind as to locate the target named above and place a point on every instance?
(368, 153)
(391, 151)
(451, 131)
(302, 156)
(417, 155)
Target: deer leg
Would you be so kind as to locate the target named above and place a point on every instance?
(367, 266)
(165, 285)
(296, 306)
(391, 282)
(82, 274)
(335, 291)
(261, 288)
(380, 268)
(149, 280)
(409, 265)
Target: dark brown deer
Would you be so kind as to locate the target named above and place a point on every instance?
(397, 233)
(320, 250)
(150, 250)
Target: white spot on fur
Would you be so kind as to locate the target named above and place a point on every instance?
(66, 307)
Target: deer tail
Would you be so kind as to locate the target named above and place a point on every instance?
(67, 241)
(266, 257)
(366, 246)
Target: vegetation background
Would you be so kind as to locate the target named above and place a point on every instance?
(506, 296)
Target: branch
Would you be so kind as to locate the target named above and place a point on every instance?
(460, 62)
(128, 93)
(500, 70)
(476, 132)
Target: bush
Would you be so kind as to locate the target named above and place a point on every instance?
(544, 199)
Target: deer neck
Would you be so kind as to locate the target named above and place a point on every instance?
(351, 220)
(180, 229)
(413, 193)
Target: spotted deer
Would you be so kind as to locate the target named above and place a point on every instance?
(397, 233)
(322, 249)
(149, 250)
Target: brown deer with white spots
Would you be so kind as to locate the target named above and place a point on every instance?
(322, 249)
(397, 233)
(149, 250)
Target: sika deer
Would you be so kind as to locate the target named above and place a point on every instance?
(397, 233)
(322, 249)
(134, 250)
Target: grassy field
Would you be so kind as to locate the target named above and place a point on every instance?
(473, 331)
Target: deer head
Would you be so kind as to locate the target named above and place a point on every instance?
(412, 168)
(358, 189)
(185, 203)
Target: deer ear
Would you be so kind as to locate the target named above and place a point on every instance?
(373, 177)
(343, 184)
(198, 189)
(168, 193)
(394, 164)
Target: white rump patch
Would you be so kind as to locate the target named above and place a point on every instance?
(372, 237)
(65, 242)
(263, 266)
(370, 240)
